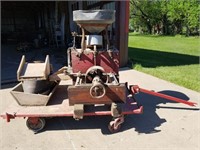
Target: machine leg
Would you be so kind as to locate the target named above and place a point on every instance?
(78, 111)
(35, 124)
(116, 110)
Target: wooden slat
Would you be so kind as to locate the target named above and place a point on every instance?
(33, 70)
(20, 67)
(39, 71)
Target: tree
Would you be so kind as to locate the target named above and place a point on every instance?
(145, 13)
(184, 13)
(170, 15)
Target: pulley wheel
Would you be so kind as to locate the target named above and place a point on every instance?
(97, 90)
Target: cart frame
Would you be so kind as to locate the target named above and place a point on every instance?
(58, 106)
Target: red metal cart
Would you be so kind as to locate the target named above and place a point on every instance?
(58, 106)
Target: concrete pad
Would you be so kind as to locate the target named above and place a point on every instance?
(163, 125)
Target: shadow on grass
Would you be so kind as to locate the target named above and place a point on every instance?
(153, 58)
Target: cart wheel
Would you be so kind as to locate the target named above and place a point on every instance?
(113, 128)
(115, 125)
(35, 124)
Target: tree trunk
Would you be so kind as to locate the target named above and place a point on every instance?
(149, 27)
(187, 31)
(165, 25)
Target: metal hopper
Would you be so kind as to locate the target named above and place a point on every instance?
(94, 21)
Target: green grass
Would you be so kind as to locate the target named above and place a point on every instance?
(172, 58)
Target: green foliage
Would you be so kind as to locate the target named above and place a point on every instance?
(145, 13)
(184, 11)
(170, 15)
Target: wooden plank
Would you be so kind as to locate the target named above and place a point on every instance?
(81, 95)
(38, 71)
(20, 67)
(47, 66)
(33, 70)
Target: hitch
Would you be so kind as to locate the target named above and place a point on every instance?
(135, 89)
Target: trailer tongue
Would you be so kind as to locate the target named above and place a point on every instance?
(136, 89)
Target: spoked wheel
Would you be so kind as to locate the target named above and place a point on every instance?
(35, 124)
(115, 125)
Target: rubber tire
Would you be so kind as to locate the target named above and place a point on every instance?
(111, 128)
(38, 127)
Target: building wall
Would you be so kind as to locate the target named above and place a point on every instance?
(122, 30)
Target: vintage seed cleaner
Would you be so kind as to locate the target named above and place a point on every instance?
(94, 71)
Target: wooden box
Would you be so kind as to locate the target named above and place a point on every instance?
(81, 95)
(29, 99)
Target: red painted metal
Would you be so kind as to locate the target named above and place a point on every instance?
(109, 64)
(34, 117)
(103, 59)
(7, 117)
(137, 89)
(83, 63)
(64, 110)
(127, 16)
(135, 111)
(34, 120)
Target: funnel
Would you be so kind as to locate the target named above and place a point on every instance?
(94, 21)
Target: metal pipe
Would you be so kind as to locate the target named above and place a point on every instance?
(68, 57)
(82, 40)
(168, 97)
(107, 40)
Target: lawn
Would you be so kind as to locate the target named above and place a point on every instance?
(172, 58)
